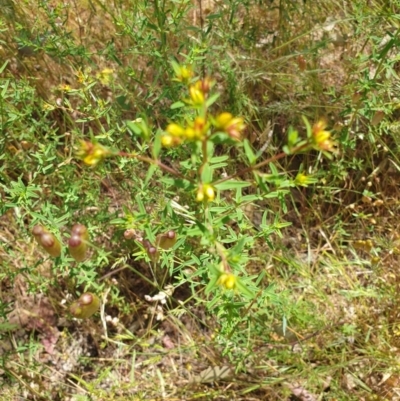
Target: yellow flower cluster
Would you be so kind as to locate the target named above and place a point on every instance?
(195, 130)
(321, 137)
(205, 193)
(227, 280)
(92, 153)
(183, 72)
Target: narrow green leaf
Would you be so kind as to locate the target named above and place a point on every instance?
(177, 105)
(242, 289)
(3, 66)
(212, 99)
(308, 126)
(157, 144)
(139, 202)
(251, 157)
(212, 284)
(4, 91)
(134, 127)
(232, 184)
(150, 173)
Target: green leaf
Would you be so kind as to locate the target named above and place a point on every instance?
(277, 194)
(3, 66)
(293, 137)
(251, 157)
(238, 248)
(177, 105)
(150, 173)
(212, 99)
(207, 173)
(308, 126)
(157, 144)
(140, 204)
(134, 127)
(232, 184)
(218, 159)
(212, 284)
(242, 289)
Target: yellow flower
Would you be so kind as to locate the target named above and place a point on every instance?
(233, 126)
(65, 88)
(184, 73)
(198, 129)
(169, 141)
(196, 95)
(175, 133)
(175, 130)
(83, 76)
(92, 153)
(205, 193)
(227, 280)
(105, 76)
(301, 179)
(321, 137)
(304, 180)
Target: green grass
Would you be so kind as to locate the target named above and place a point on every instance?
(316, 267)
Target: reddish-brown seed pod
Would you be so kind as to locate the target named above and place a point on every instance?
(47, 241)
(146, 243)
(38, 230)
(152, 252)
(87, 304)
(86, 299)
(77, 248)
(167, 240)
(81, 231)
(77, 244)
(130, 233)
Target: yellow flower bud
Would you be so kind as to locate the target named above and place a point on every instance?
(175, 130)
(206, 193)
(169, 141)
(183, 73)
(227, 280)
(196, 95)
(200, 195)
(209, 192)
(230, 282)
(301, 179)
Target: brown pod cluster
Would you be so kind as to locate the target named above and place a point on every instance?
(77, 244)
(163, 241)
(87, 304)
(47, 240)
